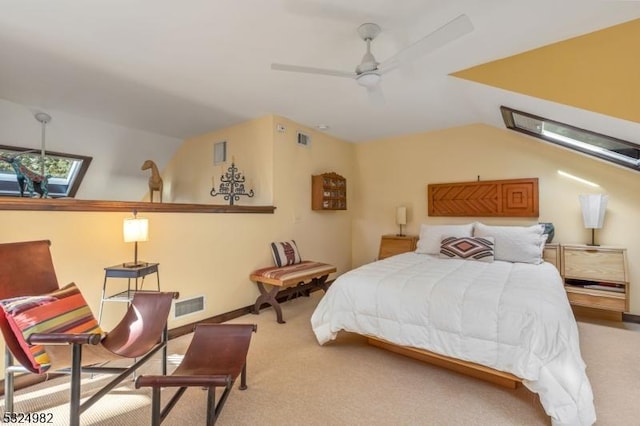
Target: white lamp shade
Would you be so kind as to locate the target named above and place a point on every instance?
(401, 216)
(593, 209)
(135, 229)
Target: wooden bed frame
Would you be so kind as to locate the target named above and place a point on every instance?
(478, 371)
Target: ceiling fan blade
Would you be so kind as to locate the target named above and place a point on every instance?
(447, 33)
(312, 70)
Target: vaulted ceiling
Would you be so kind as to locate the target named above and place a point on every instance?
(185, 68)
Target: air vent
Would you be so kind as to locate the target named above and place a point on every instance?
(188, 306)
(304, 140)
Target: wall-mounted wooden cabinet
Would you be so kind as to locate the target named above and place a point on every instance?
(328, 192)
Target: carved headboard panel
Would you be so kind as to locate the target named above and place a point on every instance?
(496, 198)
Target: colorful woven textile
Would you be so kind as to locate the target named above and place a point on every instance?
(62, 311)
(294, 273)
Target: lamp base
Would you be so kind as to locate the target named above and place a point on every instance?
(593, 239)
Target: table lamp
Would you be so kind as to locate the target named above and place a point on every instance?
(135, 229)
(401, 218)
(593, 209)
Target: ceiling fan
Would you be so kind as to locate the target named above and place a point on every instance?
(369, 72)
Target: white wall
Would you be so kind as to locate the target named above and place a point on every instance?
(118, 152)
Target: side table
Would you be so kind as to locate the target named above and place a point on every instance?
(131, 273)
(390, 245)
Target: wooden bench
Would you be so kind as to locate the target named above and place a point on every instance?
(287, 276)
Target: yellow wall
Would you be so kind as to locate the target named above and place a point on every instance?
(188, 176)
(596, 72)
(207, 254)
(396, 171)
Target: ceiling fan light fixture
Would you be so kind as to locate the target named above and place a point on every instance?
(368, 79)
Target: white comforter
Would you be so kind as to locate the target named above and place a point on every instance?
(513, 317)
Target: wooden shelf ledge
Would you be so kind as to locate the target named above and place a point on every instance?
(73, 205)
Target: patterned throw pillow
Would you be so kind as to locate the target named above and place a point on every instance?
(285, 253)
(61, 311)
(478, 248)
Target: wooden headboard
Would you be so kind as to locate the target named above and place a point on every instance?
(495, 198)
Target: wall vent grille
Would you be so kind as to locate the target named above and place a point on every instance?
(304, 139)
(188, 306)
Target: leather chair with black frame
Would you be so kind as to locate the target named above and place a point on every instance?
(216, 356)
(28, 281)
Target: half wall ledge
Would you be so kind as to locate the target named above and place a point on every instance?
(73, 205)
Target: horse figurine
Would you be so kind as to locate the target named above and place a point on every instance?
(32, 181)
(155, 181)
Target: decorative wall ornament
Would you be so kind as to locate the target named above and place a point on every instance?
(155, 181)
(231, 186)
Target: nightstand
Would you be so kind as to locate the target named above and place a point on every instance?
(596, 277)
(130, 273)
(391, 245)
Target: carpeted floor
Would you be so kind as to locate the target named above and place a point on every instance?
(294, 381)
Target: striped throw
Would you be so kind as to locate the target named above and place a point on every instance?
(62, 311)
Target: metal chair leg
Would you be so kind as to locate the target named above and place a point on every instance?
(74, 392)
(8, 381)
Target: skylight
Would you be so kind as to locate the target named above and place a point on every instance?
(605, 147)
(65, 171)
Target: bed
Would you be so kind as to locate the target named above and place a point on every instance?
(508, 313)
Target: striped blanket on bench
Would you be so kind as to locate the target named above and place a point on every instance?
(285, 276)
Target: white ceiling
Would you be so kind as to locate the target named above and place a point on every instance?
(184, 68)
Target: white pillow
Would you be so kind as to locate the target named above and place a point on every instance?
(431, 236)
(515, 243)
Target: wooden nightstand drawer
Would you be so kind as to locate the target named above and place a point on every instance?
(390, 245)
(598, 300)
(595, 264)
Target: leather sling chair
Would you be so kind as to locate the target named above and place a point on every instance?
(216, 356)
(26, 269)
